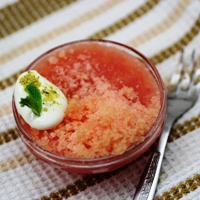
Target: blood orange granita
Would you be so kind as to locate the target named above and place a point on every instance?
(113, 101)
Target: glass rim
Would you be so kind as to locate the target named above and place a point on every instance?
(111, 158)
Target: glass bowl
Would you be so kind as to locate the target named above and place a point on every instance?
(102, 164)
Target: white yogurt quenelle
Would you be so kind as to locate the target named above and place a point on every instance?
(37, 92)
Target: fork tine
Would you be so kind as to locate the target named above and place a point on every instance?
(197, 72)
(176, 76)
(184, 74)
(188, 72)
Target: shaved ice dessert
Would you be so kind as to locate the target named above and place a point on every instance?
(113, 101)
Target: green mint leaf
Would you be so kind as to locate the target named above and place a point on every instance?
(33, 100)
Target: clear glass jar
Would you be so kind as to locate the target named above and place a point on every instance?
(108, 163)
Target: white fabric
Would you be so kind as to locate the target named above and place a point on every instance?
(35, 179)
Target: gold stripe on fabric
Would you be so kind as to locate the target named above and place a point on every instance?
(10, 80)
(27, 46)
(9, 135)
(162, 26)
(142, 10)
(23, 13)
(88, 181)
(79, 186)
(181, 189)
(14, 162)
(177, 46)
(181, 129)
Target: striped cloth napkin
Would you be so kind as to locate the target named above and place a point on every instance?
(157, 28)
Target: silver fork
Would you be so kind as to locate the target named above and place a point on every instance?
(182, 95)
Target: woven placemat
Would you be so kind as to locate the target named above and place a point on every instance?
(157, 28)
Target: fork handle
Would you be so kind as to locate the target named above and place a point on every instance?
(148, 182)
